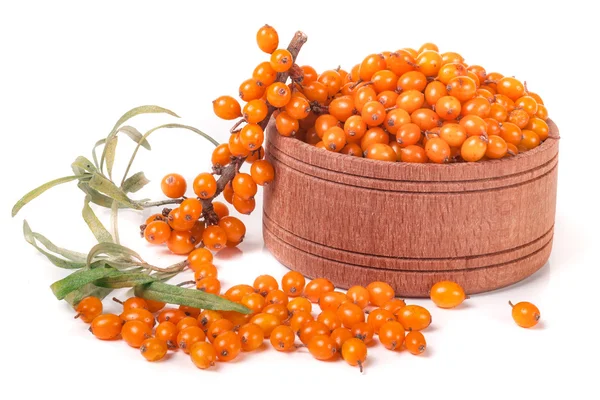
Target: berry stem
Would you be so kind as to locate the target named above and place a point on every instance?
(510, 303)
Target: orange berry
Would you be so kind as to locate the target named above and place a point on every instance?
(173, 185)
(207, 317)
(226, 107)
(88, 308)
(350, 314)
(282, 338)
(189, 336)
(214, 238)
(218, 327)
(393, 305)
(525, 314)
(262, 172)
(281, 60)
(447, 294)
(265, 284)
(171, 315)
(199, 257)
(299, 304)
(251, 89)
(203, 355)
(413, 317)
(391, 335)
(267, 322)
(380, 293)
(135, 332)
(209, 285)
(251, 136)
(205, 185)
(378, 317)
(315, 288)
(106, 326)
(251, 336)
(267, 39)
(153, 349)
(354, 352)
(227, 346)
(415, 342)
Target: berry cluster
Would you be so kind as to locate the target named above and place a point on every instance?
(408, 105)
(281, 313)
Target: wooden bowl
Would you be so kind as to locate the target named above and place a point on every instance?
(352, 220)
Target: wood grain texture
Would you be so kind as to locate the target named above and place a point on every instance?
(344, 218)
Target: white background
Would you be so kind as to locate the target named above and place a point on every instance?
(68, 70)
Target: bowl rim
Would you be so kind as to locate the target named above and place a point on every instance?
(465, 171)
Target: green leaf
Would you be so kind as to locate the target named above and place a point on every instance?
(94, 156)
(79, 279)
(135, 182)
(160, 291)
(135, 135)
(167, 126)
(30, 237)
(96, 197)
(92, 221)
(103, 185)
(36, 192)
(68, 254)
(81, 165)
(111, 149)
(113, 249)
(114, 221)
(90, 289)
(124, 280)
(130, 114)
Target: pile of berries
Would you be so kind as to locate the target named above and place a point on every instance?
(408, 105)
(283, 314)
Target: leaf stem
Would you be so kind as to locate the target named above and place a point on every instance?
(180, 266)
(159, 203)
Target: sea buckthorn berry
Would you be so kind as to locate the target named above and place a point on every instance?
(412, 80)
(415, 342)
(218, 327)
(135, 332)
(350, 314)
(381, 152)
(434, 91)
(322, 347)
(88, 308)
(155, 306)
(334, 139)
(413, 317)
(363, 331)
(251, 336)
(393, 305)
(265, 284)
(425, 119)
(167, 332)
(207, 317)
(413, 154)
(309, 74)
(173, 186)
(262, 172)
(518, 117)
(538, 126)
(496, 147)
(379, 317)
(510, 87)
(525, 314)
(187, 322)
(203, 355)
(138, 314)
(332, 81)
(254, 301)
(391, 335)
(278, 310)
(153, 349)
(511, 133)
(400, 62)
(476, 106)
(205, 185)
(243, 206)
(352, 149)
(498, 112)
(316, 91)
(453, 134)
(282, 338)
(408, 135)
(177, 220)
(370, 65)
(264, 73)
(251, 89)
(339, 336)
(438, 150)
(267, 39)
(315, 288)
(299, 304)
(220, 209)
(428, 46)
(530, 140)
(429, 62)
(388, 98)
(462, 87)
(237, 292)
(380, 293)
(106, 326)
(226, 107)
(286, 125)
(155, 217)
(311, 329)
(234, 229)
(354, 128)
(373, 113)
(542, 112)
(214, 237)
(410, 100)
(448, 107)
(342, 108)
(236, 318)
(293, 284)
(330, 319)
(395, 119)
(199, 257)
(372, 136)
(278, 94)
(473, 125)
(236, 148)
(189, 336)
(362, 96)
(227, 345)
(474, 148)
(266, 322)
(384, 80)
(277, 297)
(157, 232)
(281, 60)
(244, 186)
(255, 111)
(447, 294)
(324, 122)
(209, 285)
(354, 352)
(299, 318)
(298, 107)
(331, 300)
(358, 295)
(191, 209)
(251, 136)
(479, 71)
(190, 311)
